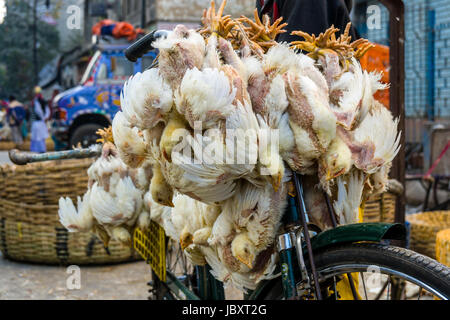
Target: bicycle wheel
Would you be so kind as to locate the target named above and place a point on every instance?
(379, 272)
(179, 266)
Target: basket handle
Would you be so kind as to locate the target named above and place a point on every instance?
(22, 158)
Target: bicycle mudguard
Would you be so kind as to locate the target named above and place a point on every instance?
(350, 233)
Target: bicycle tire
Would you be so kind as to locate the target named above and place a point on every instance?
(420, 268)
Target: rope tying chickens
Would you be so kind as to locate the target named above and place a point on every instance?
(225, 206)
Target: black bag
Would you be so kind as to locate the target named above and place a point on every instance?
(311, 16)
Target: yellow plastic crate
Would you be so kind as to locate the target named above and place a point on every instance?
(150, 244)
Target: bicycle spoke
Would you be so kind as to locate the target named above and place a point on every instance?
(364, 284)
(352, 286)
(381, 291)
(389, 284)
(334, 288)
(420, 291)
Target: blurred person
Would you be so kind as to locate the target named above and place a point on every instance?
(3, 108)
(15, 115)
(39, 114)
(3, 105)
(53, 108)
(51, 103)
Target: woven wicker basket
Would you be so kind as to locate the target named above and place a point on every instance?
(25, 146)
(7, 145)
(443, 247)
(45, 182)
(29, 224)
(380, 208)
(424, 227)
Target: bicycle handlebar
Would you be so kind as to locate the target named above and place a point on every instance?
(22, 158)
(143, 45)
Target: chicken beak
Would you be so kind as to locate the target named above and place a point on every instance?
(329, 176)
(103, 235)
(128, 243)
(185, 241)
(166, 155)
(105, 243)
(170, 203)
(291, 189)
(276, 182)
(248, 261)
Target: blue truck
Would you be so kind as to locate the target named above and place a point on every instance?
(82, 110)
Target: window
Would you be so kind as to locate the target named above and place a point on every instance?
(129, 6)
(121, 68)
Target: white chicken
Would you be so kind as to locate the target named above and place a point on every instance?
(129, 142)
(249, 221)
(193, 220)
(112, 206)
(118, 208)
(312, 122)
(181, 50)
(265, 85)
(146, 99)
(370, 147)
(205, 96)
(374, 142)
(353, 94)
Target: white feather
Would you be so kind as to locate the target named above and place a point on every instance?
(380, 129)
(145, 98)
(205, 96)
(76, 220)
(127, 140)
(350, 188)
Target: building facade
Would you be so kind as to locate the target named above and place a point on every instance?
(427, 57)
(166, 14)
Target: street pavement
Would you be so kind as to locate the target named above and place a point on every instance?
(22, 281)
(4, 158)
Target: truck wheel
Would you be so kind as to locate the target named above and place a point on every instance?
(85, 135)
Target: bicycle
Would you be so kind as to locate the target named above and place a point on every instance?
(322, 266)
(313, 267)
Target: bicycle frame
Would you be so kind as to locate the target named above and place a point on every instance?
(296, 280)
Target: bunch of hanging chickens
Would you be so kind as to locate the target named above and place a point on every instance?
(170, 155)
